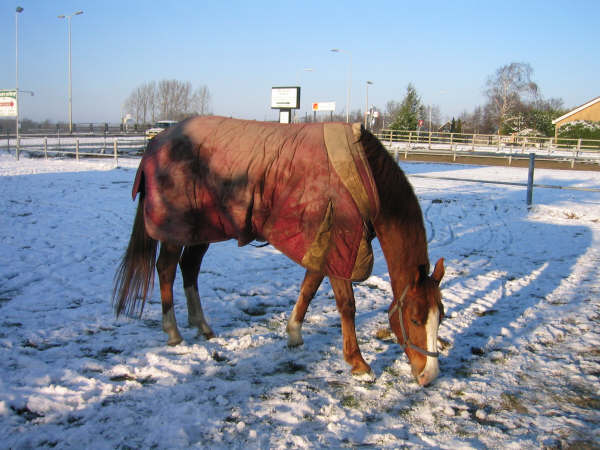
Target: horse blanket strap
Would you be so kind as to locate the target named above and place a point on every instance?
(398, 306)
(305, 188)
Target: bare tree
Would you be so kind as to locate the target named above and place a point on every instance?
(141, 102)
(507, 87)
(167, 99)
(149, 93)
(433, 116)
(201, 100)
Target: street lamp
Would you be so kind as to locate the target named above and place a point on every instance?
(306, 69)
(367, 105)
(348, 100)
(77, 13)
(18, 11)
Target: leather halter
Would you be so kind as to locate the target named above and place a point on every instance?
(407, 343)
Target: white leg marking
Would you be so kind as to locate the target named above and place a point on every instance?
(432, 369)
(195, 314)
(294, 330)
(169, 325)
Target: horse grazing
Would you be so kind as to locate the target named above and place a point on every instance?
(317, 192)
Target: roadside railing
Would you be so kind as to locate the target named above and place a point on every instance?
(489, 145)
(76, 146)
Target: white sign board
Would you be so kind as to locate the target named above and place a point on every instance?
(323, 106)
(285, 97)
(8, 103)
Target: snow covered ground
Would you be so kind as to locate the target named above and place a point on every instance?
(520, 363)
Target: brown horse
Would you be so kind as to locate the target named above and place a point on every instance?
(210, 179)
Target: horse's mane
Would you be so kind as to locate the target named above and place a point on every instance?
(396, 196)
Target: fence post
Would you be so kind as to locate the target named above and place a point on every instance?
(409, 137)
(77, 149)
(45, 148)
(576, 152)
(115, 151)
(474, 136)
(429, 139)
(18, 147)
(530, 179)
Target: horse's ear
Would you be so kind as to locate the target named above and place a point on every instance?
(438, 271)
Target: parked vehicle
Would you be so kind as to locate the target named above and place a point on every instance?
(158, 127)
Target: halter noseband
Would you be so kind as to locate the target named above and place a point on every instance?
(407, 343)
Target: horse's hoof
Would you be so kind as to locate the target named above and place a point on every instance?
(174, 341)
(209, 336)
(365, 377)
(293, 343)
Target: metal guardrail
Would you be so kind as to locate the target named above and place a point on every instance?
(77, 145)
(489, 146)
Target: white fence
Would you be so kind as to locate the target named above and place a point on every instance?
(77, 146)
(458, 145)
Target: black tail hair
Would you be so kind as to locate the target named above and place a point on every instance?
(135, 276)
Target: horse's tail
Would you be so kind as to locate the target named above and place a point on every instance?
(135, 275)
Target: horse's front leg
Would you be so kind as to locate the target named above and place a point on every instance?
(344, 298)
(310, 285)
(166, 265)
(190, 268)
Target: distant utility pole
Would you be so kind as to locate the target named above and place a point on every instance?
(18, 11)
(367, 106)
(349, 99)
(70, 94)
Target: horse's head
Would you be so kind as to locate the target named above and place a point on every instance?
(415, 318)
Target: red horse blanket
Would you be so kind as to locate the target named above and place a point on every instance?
(306, 189)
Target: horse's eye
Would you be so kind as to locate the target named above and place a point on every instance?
(415, 322)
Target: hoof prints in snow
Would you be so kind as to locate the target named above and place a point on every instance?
(519, 362)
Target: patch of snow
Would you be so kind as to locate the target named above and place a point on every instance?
(519, 365)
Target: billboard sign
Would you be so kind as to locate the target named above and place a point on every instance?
(285, 97)
(8, 103)
(323, 106)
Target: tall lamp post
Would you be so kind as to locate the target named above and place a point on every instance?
(367, 105)
(306, 69)
(18, 11)
(77, 13)
(348, 100)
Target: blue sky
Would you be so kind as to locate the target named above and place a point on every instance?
(241, 49)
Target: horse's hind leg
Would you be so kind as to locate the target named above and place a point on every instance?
(310, 285)
(190, 268)
(344, 299)
(166, 265)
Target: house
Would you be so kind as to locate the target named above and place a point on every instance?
(587, 111)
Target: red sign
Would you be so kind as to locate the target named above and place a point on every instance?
(420, 123)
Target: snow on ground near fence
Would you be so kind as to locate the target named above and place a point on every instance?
(520, 346)
(591, 155)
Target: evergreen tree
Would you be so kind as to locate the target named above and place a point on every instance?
(409, 111)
